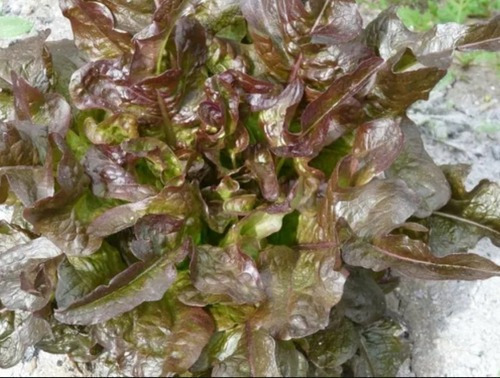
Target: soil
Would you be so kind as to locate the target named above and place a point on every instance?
(455, 326)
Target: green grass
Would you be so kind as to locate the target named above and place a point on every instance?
(12, 27)
(422, 15)
(489, 128)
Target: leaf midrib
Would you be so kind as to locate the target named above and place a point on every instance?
(467, 221)
(118, 292)
(435, 264)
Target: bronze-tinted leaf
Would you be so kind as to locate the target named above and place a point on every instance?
(110, 180)
(29, 59)
(363, 300)
(302, 288)
(94, 29)
(50, 110)
(162, 338)
(24, 263)
(421, 174)
(485, 36)
(261, 164)
(131, 16)
(413, 258)
(376, 146)
(226, 272)
(174, 201)
(78, 276)
(63, 218)
(141, 282)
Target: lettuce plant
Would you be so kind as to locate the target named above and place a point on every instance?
(226, 188)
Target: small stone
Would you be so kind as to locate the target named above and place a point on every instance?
(495, 151)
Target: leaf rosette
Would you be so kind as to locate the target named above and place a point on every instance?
(226, 188)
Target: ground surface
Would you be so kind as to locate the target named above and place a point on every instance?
(45, 14)
(455, 326)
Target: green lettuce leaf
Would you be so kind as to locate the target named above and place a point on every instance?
(160, 338)
(383, 350)
(467, 217)
(78, 276)
(330, 348)
(140, 282)
(252, 356)
(19, 331)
